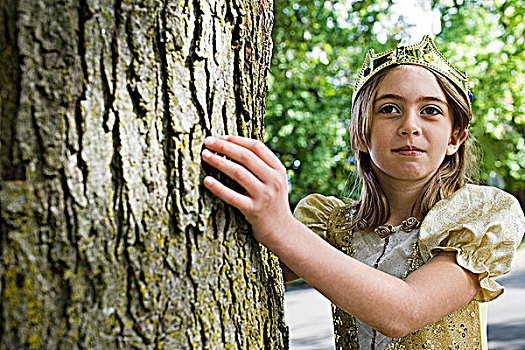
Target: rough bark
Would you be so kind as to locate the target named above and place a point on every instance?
(108, 238)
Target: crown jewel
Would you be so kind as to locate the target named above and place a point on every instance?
(423, 54)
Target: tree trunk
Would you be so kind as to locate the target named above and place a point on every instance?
(108, 238)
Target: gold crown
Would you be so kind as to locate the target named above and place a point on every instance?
(423, 54)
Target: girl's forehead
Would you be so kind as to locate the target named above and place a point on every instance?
(409, 80)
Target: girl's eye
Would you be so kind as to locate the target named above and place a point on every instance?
(389, 109)
(431, 110)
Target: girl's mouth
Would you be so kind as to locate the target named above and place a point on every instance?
(409, 150)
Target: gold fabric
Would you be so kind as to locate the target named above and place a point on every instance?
(482, 224)
(458, 330)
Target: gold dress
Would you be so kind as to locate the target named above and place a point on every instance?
(483, 225)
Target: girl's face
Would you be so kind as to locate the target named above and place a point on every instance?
(411, 126)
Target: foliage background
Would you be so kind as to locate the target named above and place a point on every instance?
(319, 48)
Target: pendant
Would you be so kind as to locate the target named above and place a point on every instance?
(410, 224)
(361, 224)
(384, 230)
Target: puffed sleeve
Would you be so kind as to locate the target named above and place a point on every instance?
(483, 225)
(314, 211)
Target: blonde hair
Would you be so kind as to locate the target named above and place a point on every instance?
(454, 171)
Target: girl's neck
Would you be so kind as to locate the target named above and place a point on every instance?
(401, 201)
(403, 198)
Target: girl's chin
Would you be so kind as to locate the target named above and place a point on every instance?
(406, 173)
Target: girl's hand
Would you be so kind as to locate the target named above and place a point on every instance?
(261, 174)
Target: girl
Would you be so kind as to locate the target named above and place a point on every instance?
(407, 265)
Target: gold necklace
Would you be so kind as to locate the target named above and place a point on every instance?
(386, 230)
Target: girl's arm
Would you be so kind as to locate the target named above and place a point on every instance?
(392, 306)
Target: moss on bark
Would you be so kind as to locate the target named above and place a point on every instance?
(108, 238)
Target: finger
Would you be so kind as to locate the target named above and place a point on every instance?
(257, 147)
(239, 201)
(244, 156)
(235, 171)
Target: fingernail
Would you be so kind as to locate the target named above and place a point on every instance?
(210, 140)
(206, 153)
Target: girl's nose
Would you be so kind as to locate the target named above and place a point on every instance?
(410, 125)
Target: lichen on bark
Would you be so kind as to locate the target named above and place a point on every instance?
(108, 238)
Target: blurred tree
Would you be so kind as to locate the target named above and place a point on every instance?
(486, 39)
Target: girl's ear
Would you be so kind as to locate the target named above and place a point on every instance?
(456, 139)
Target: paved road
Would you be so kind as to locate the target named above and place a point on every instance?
(506, 319)
(309, 317)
